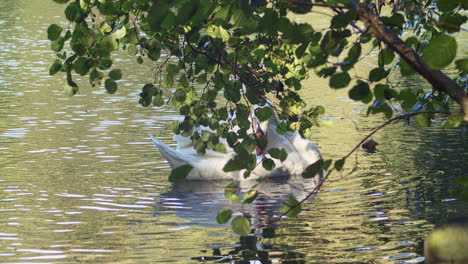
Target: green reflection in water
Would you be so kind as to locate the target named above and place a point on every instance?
(81, 182)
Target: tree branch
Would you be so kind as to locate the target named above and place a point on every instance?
(374, 130)
(436, 78)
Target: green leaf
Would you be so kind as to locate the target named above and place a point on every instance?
(340, 80)
(215, 31)
(359, 91)
(377, 74)
(423, 120)
(343, 19)
(82, 66)
(326, 164)
(57, 44)
(180, 95)
(462, 65)
(264, 113)
(232, 92)
(120, 33)
(220, 148)
(156, 14)
(115, 74)
(180, 173)
(268, 164)
(241, 225)
(53, 32)
(313, 169)
(107, 7)
(448, 5)
(452, 22)
(73, 12)
(230, 192)
(440, 51)
(379, 91)
(250, 197)
(454, 120)
(408, 99)
(106, 46)
(96, 77)
(280, 154)
(55, 67)
(385, 57)
(354, 53)
(111, 86)
(292, 207)
(405, 68)
(158, 100)
(396, 19)
(223, 216)
(233, 165)
(70, 90)
(339, 164)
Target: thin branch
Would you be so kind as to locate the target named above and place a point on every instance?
(374, 130)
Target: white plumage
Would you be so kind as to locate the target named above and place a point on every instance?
(301, 153)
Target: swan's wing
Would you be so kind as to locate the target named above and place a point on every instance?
(183, 142)
(188, 155)
(175, 158)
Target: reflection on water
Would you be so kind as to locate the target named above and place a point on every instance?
(81, 182)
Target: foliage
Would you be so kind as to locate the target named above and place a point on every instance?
(216, 58)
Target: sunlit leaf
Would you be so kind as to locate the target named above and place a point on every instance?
(440, 51)
(454, 120)
(241, 225)
(230, 193)
(70, 90)
(250, 196)
(120, 33)
(423, 120)
(220, 148)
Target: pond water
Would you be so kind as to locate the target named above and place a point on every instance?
(80, 181)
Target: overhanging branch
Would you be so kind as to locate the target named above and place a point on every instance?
(436, 78)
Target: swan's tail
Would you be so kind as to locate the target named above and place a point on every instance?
(173, 157)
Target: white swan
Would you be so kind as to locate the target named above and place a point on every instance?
(301, 153)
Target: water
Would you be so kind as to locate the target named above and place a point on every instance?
(80, 180)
